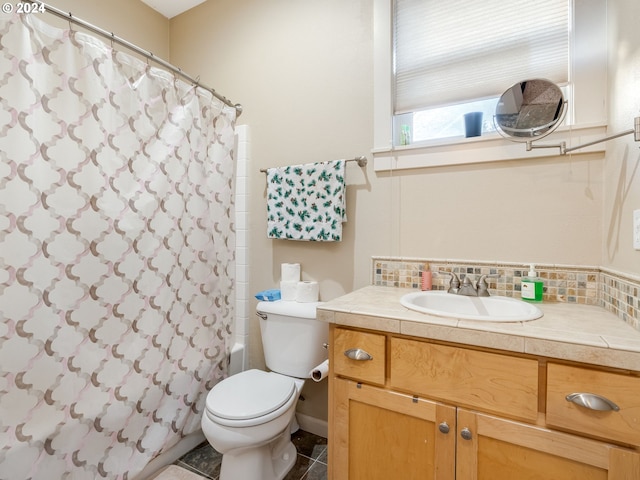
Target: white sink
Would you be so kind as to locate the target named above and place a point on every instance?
(489, 309)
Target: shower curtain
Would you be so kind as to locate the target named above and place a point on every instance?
(117, 248)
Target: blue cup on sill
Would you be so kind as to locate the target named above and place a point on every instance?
(473, 124)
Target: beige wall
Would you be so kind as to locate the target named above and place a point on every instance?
(303, 72)
(622, 169)
(131, 20)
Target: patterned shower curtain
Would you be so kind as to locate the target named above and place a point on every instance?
(117, 250)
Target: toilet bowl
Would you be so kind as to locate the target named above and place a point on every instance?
(247, 419)
(248, 416)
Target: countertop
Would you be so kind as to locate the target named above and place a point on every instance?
(581, 333)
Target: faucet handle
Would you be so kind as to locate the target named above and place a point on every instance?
(482, 286)
(454, 285)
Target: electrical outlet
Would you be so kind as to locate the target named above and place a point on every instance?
(636, 229)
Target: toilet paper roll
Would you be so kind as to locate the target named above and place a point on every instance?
(320, 372)
(307, 292)
(288, 291)
(290, 272)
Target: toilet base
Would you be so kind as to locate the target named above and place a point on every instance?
(267, 462)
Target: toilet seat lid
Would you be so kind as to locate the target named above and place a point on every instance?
(249, 394)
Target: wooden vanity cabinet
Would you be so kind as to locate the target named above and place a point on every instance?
(422, 410)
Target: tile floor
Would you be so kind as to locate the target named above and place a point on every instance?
(311, 463)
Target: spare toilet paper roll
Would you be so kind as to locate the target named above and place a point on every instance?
(290, 272)
(307, 292)
(288, 291)
(320, 372)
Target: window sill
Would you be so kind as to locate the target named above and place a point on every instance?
(489, 148)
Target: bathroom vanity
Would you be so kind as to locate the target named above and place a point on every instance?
(417, 396)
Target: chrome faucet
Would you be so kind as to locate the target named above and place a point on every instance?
(468, 288)
(480, 289)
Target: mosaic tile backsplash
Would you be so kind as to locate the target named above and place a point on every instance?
(613, 291)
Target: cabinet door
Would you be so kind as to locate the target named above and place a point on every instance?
(491, 448)
(378, 434)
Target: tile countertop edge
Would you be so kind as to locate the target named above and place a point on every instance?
(586, 334)
(589, 354)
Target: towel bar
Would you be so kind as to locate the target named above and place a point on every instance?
(362, 162)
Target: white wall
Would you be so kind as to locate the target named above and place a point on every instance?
(240, 350)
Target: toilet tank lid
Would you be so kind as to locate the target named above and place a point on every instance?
(289, 309)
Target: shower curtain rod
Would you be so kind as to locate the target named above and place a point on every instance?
(114, 38)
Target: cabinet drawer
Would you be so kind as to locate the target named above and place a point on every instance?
(488, 381)
(367, 370)
(624, 391)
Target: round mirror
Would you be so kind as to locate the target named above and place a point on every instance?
(529, 110)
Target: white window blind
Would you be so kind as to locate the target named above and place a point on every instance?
(453, 51)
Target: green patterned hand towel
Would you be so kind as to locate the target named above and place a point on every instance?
(306, 202)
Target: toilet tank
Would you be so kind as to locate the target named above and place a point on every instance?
(292, 339)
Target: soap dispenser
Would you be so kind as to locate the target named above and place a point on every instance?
(531, 286)
(427, 278)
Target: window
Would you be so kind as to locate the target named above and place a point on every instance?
(437, 125)
(455, 57)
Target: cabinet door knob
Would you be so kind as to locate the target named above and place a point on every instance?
(444, 427)
(592, 401)
(466, 434)
(358, 354)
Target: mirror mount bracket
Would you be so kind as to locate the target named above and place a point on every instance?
(563, 146)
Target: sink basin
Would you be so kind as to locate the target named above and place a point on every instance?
(489, 309)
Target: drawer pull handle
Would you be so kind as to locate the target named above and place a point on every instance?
(444, 427)
(358, 354)
(592, 401)
(466, 434)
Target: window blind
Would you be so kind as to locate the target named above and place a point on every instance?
(459, 50)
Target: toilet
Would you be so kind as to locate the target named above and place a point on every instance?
(249, 417)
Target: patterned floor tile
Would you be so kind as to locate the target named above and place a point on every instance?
(311, 463)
